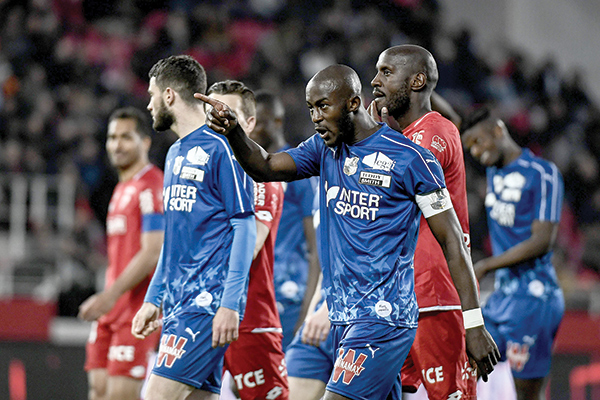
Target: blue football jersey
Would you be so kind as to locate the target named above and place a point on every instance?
(369, 221)
(204, 187)
(291, 253)
(526, 190)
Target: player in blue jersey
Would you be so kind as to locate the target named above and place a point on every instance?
(375, 183)
(296, 264)
(523, 203)
(202, 275)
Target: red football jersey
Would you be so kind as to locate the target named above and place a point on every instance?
(261, 309)
(433, 283)
(132, 201)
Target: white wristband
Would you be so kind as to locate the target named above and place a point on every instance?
(472, 318)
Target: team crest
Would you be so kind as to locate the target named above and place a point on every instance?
(177, 165)
(350, 166)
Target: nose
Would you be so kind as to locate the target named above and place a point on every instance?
(315, 115)
(375, 81)
(149, 106)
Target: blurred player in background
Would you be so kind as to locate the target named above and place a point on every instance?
(210, 232)
(523, 202)
(256, 360)
(296, 264)
(115, 360)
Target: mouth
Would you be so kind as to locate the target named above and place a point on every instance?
(377, 94)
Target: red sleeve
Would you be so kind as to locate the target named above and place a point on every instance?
(439, 136)
(150, 197)
(266, 201)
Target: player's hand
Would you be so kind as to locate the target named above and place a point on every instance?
(96, 306)
(219, 117)
(316, 326)
(482, 351)
(383, 116)
(146, 321)
(225, 327)
(481, 268)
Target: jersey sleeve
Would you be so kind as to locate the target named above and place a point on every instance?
(424, 174)
(441, 139)
(548, 192)
(266, 201)
(151, 207)
(235, 187)
(307, 157)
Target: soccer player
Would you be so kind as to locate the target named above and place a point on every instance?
(403, 86)
(374, 185)
(115, 360)
(296, 264)
(523, 203)
(256, 360)
(210, 234)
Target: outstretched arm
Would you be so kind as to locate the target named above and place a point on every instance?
(480, 345)
(260, 165)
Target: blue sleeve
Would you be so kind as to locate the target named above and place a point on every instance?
(424, 174)
(242, 249)
(307, 157)
(153, 222)
(156, 288)
(235, 186)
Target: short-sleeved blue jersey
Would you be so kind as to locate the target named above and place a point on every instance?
(526, 190)
(204, 187)
(369, 222)
(291, 254)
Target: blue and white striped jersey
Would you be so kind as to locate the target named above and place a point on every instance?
(526, 190)
(369, 218)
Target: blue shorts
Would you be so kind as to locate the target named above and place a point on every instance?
(288, 315)
(524, 328)
(310, 362)
(369, 357)
(186, 355)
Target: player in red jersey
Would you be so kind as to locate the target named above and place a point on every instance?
(115, 360)
(256, 360)
(406, 77)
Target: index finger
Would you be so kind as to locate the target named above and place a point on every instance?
(212, 101)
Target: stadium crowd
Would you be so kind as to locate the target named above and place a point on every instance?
(66, 64)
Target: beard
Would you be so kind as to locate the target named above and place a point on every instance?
(399, 102)
(164, 119)
(345, 127)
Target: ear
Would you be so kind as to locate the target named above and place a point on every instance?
(354, 104)
(169, 96)
(418, 82)
(147, 142)
(251, 122)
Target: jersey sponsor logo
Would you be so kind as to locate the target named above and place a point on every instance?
(170, 351)
(197, 156)
(383, 308)
(146, 202)
(517, 355)
(356, 204)
(438, 200)
(433, 374)
(179, 197)
(507, 190)
(193, 174)
(121, 353)
(380, 161)
(501, 212)
(260, 193)
(274, 393)
(264, 215)
(347, 366)
(417, 137)
(373, 179)
(116, 225)
(351, 165)
(177, 165)
(250, 379)
(438, 143)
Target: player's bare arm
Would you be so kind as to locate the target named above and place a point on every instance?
(258, 163)
(480, 345)
(543, 235)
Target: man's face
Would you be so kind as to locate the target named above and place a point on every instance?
(234, 101)
(481, 142)
(329, 113)
(391, 85)
(162, 118)
(124, 145)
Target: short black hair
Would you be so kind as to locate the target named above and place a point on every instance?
(141, 119)
(270, 101)
(182, 73)
(479, 115)
(236, 87)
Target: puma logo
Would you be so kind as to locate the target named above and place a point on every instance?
(192, 334)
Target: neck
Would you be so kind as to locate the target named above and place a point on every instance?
(128, 173)
(511, 152)
(416, 110)
(188, 119)
(364, 126)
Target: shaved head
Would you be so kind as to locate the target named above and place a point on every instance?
(418, 58)
(339, 79)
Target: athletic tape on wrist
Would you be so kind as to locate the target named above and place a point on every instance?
(472, 318)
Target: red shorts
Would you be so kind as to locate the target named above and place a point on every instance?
(113, 347)
(257, 365)
(438, 358)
